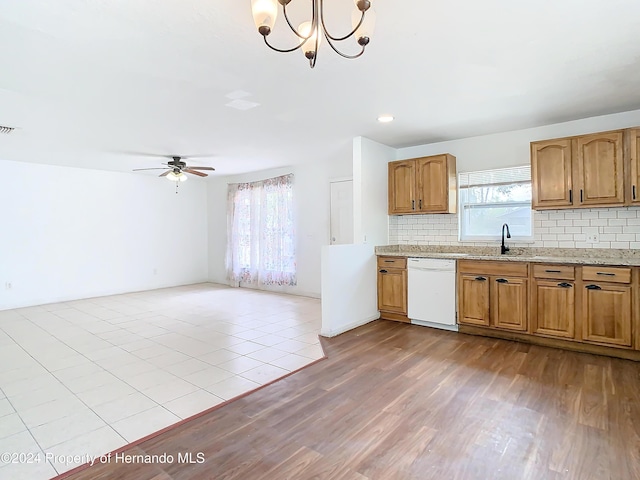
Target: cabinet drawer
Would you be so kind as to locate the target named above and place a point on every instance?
(607, 274)
(561, 272)
(491, 267)
(392, 262)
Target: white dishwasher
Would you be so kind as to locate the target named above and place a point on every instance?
(432, 292)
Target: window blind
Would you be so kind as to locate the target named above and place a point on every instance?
(500, 176)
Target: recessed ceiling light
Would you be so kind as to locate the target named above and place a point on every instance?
(385, 118)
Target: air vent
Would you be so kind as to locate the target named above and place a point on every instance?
(6, 130)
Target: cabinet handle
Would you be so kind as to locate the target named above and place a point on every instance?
(593, 287)
(413, 204)
(420, 204)
(570, 196)
(383, 271)
(580, 195)
(502, 280)
(389, 261)
(481, 279)
(553, 271)
(565, 285)
(633, 189)
(606, 274)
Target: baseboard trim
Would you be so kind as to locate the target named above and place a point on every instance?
(345, 328)
(627, 354)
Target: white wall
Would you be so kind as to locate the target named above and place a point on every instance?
(217, 239)
(370, 185)
(70, 233)
(615, 227)
(512, 148)
(348, 288)
(312, 207)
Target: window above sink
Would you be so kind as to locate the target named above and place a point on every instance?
(490, 198)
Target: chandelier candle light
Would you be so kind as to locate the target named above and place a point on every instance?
(310, 33)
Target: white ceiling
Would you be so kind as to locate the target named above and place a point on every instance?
(90, 82)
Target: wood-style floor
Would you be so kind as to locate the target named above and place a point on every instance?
(396, 401)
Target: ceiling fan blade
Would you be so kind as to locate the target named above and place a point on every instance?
(139, 169)
(201, 168)
(165, 173)
(195, 172)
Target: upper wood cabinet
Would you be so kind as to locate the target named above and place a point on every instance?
(600, 167)
(551, 174)
(423, 185)
(402, 187)
(584, 171)
(633, 139)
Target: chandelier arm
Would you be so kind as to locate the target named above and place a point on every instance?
(339, 39)
(293, 29)
(335, 49)
(280, 49)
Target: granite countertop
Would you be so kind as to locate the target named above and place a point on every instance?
(578, 256)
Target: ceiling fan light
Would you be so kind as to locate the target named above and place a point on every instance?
(176, 177)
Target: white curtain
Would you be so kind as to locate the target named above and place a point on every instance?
(260, 233)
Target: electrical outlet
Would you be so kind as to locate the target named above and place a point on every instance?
(593, 238)
(7, 286)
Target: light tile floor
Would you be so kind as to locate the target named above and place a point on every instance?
(89, 376)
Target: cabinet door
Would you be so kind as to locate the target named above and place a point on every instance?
(402, 179)
(473, 300)
(392, 290)
(634, 153)
(551, 174)
(553, 309)
(432, 192)
(509, 303)
(600, 169)
(606, 311)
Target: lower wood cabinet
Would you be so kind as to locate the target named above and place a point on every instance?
(493, 294)
(589, 308)
(606, 314)
(553, 301)
(509, 303)
(392, 288)
(553, 308)
(473, 294)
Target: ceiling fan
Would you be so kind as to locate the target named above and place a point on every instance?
(176, 169)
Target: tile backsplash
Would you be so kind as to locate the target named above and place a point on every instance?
(614, 227)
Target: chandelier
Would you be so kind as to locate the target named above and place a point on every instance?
(310, 33)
